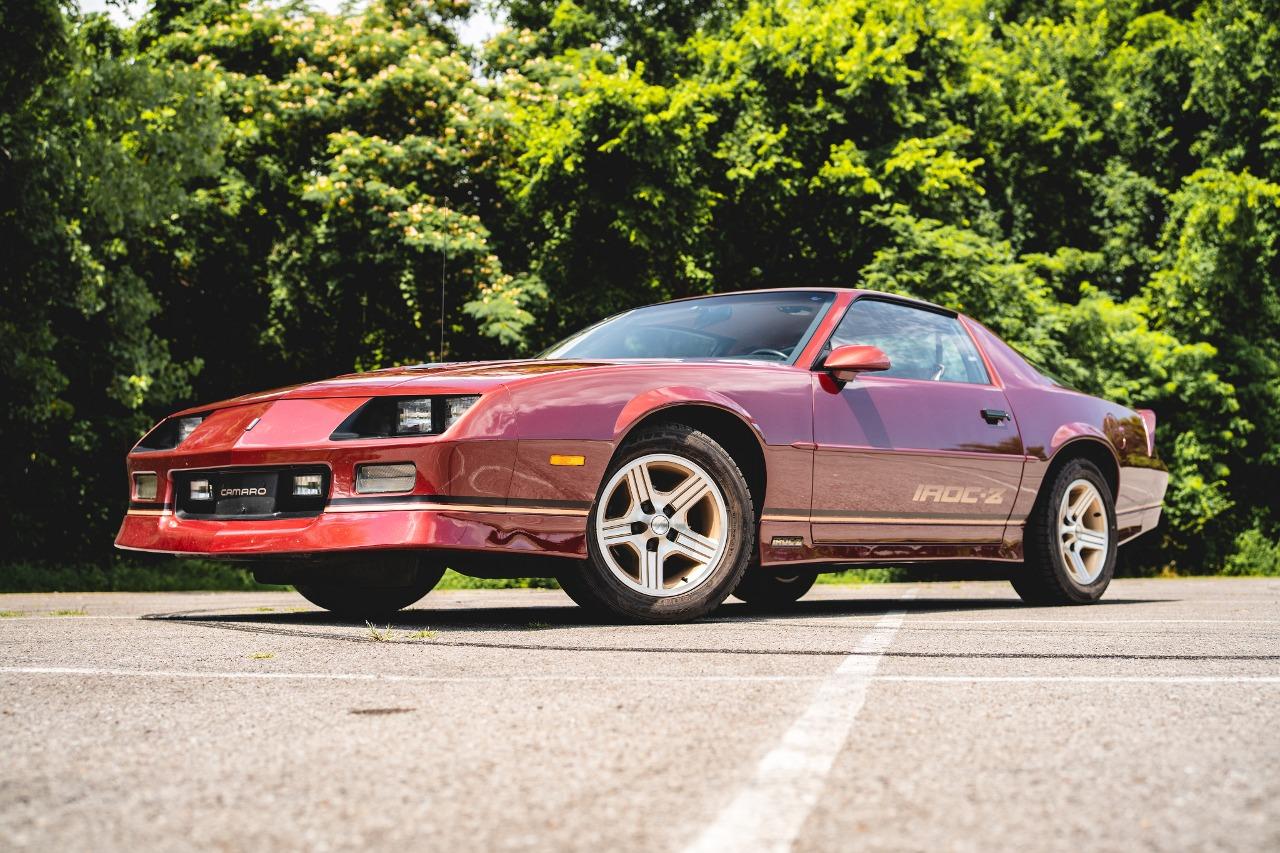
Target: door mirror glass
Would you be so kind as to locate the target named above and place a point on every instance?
(844, 363)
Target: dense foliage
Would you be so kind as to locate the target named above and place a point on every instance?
(233, 194)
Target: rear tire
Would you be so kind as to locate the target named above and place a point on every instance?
(1070, 542)
(353, 594)
(670, 532)
(765, 589)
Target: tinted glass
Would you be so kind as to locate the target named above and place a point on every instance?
(770, 326)
(920, 344)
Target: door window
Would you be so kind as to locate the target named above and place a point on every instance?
(920, 344)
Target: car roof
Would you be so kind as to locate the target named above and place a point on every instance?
(855, 291)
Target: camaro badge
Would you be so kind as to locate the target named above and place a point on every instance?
(243, 493)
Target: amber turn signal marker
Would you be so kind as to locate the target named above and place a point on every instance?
(559, 459)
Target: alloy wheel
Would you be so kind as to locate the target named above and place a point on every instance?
(1082, 532)
(662, 525)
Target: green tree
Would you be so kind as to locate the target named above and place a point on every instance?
(97, 147)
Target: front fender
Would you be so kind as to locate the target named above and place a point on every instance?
(656, 399)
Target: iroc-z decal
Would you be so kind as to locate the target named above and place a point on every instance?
(958, 494)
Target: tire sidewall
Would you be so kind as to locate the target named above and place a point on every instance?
(700, 449)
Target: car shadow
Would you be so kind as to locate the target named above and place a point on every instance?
(532, 629)
(568, 614)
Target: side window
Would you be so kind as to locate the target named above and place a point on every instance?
(920, 344)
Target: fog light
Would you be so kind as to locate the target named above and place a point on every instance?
(145, 486)
(374, 479)
(201, 490)
(308, 485)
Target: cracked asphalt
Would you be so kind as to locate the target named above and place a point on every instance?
(881, 717)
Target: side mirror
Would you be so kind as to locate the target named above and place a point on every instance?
(845, 363)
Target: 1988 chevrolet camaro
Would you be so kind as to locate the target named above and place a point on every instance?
(663, 459)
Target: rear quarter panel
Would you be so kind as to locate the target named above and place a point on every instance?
(1052, 419)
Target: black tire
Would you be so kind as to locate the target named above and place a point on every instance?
(349, 595)
(597, 588)
(573, 584)
(1044, 578)
(767, 589)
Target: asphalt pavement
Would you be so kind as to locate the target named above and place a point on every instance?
(879, 717)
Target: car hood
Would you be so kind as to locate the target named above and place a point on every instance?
(464, 377)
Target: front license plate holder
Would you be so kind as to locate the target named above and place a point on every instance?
(248, 494)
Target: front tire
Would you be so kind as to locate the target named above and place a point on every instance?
(670, 532)
(1070, 543)
(768, 590)
(355, 594)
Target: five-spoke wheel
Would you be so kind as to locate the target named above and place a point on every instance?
(1082, 531)
(670, 533)
(662, 530)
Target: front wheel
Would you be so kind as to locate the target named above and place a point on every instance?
(766, 589)
(1070, 543)
(670, 532)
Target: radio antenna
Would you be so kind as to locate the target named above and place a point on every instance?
(444, 255)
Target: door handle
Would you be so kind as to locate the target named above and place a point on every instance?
(994, 416)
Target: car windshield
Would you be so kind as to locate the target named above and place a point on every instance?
(768, 326)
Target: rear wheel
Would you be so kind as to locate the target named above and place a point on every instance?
(370, 589)
(670, 532)
(763, 588)
(1070, 543)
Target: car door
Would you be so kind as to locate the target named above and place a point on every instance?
(927, 451)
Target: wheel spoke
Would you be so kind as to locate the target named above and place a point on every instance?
(1076, 509)
(640, 484)
(688, 493)
(651, 569)
(1091, 539)
(615, 529)
(1077, 566)
(695, 546)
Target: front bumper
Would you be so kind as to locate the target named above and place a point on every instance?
(549, 530)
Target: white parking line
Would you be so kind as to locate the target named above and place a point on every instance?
(1080, 679)
(59, 617)
(367, 676)
(1095, 622)
(768, 812)
(113, 672)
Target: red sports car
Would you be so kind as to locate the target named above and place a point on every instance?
(662, 459)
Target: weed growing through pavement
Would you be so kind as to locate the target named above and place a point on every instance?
(262, 655)
(265, 609)
(538, 626)
(382, 635)
(9, 614)
(424, 634)
(79, 611)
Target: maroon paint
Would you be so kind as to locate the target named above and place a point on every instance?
(843, 463)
